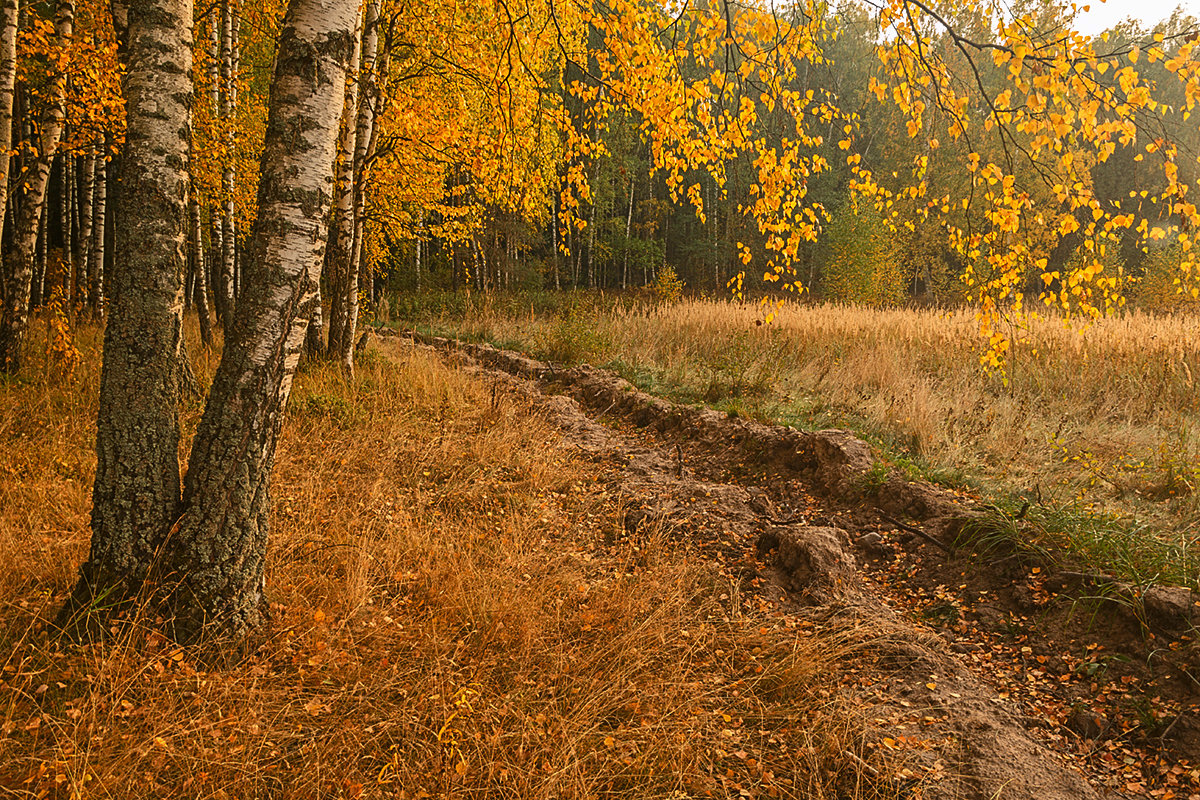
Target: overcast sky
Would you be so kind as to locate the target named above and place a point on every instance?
(1105, 15)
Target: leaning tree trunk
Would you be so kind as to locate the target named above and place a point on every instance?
(217, 550)
(136, 495)
(15, 318)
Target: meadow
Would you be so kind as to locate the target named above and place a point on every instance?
(452, 616)
(1095, 427)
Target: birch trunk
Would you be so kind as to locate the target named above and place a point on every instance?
(363, 157)
(38, 291)
(342, 237)
(200, 290)
(217, 248)
(314, 345)
(99, 226)
(9, 14)
(348, 270)
(554, 241)
(64, 224)
(215, 259)
(228, 111)
(136, 495)
(420, 232)
(628, 229)
(214, 60)
(14, 321)
(189, 271)
(75, 252)
(87, 196)
(216, 552)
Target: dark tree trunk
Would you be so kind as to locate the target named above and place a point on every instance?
(136, 496)
(217, 551)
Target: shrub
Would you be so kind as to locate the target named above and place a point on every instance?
(1161, 286)
(668, 287)
(861, 264)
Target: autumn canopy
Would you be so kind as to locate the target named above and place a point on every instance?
(998, 147)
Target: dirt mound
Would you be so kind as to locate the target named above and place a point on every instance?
(817, 566)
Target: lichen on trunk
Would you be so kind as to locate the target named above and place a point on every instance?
(136, 494)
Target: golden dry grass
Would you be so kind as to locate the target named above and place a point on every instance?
(448, 622)
(1101, 421)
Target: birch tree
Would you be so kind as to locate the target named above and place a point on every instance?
(360, 129)
(8, 78)
(200, 268)
(228, 112)
(342, 236)
(99, 230)
(202, 550)
(136, 494)
(216, 553)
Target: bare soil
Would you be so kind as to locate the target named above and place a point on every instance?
(994, 675)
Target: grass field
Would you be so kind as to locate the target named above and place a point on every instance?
(448, 621)
(1097, 427)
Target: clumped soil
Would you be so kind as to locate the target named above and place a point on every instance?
(989, 670)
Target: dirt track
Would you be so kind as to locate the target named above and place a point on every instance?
(981, 665)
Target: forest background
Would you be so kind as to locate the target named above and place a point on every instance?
(511, 161)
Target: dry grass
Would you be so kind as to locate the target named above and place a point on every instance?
(448, 622)
(1102, 421)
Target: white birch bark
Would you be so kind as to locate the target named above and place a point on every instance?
(99, 229)
(364, 140)
(200, 290)
(228, 115)
(217, 551)
(66, 182)
(9, 15)
(342, 239)
(87, 190)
